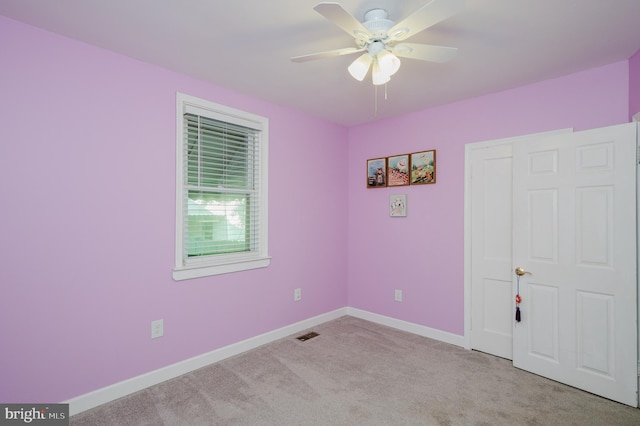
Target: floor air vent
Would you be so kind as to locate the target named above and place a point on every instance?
(307, 336)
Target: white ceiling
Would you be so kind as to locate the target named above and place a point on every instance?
(246, 45)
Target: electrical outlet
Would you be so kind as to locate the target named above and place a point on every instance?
(297, 294)
(398, 295)
(157, 328)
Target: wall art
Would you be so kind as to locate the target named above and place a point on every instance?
(423, 167)
(376, 173)
(398, 205)
(398, 170)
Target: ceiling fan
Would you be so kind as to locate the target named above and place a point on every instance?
(381, 39)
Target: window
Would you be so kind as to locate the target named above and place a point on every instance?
(221, 189)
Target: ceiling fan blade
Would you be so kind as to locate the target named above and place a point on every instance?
(424, 52)
(335, 13)
(428, 15)
(327, 54)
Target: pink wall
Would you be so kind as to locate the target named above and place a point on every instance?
(423, 254)
(634, 84)
(87, 163)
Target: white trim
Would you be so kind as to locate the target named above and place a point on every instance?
(126, 387)
(420, 330)
(636, 119)
(185, 273)
(138, 383)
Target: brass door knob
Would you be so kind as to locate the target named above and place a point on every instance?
(520, 271)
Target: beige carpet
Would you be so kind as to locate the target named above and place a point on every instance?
(360, 373)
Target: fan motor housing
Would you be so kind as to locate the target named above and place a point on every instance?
(377, 23)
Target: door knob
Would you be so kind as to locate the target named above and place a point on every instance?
(520, 271)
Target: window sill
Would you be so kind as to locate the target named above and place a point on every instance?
(189, 272)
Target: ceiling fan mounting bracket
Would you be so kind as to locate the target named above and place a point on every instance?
(377, 23)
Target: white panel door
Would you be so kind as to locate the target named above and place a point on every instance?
(488, 248)
(575, 231)
(491, 280)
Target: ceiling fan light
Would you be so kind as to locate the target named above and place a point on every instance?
(379, 76)
(360, 67)
(389, 63)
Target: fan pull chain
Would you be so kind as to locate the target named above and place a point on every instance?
(375, 101)
(375, 97)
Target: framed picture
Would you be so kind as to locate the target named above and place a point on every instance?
(398, 205)
(398, 170)
(376, 172)
(423, 167)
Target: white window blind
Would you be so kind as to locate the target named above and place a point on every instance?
(223, 207)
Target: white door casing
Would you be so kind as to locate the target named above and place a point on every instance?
(574, 229)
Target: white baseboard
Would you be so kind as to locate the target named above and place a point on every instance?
(410, 327)
(138, 383)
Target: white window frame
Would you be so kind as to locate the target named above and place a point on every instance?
(224, 263)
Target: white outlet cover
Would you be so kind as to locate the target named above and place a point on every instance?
(157, 328)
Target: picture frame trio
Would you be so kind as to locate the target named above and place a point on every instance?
(417, 168)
